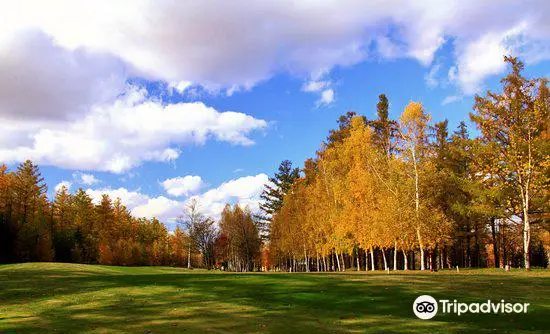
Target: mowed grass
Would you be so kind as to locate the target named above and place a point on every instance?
(54, 297)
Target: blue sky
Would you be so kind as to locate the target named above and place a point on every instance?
(165, 102)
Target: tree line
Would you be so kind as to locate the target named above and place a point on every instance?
(71, 228)
(379, 194)
(407, 193)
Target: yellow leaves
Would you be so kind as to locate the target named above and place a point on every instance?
(414, 114)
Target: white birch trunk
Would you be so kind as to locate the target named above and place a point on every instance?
(372, 259)
(395, 255)
(384, 257)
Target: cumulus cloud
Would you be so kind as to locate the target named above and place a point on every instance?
(65, 64)
(121, 135)
(180, 86)
(87, 179)
(162, 208)
(320, 85)
(244, 190)
(327, 97)
(217, 43)
(60, 185)
(182, 186)
(41, 80)
(128, 198)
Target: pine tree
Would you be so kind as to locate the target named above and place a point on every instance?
(274, 192)
(29, 195)
(8, 231)
(385, 129)
(63, 227)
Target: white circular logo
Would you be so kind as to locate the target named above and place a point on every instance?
(425, 307)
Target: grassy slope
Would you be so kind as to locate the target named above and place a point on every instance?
(43, 297)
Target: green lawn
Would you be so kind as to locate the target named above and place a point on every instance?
(48, 297)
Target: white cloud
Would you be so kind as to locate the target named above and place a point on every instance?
(121, 135)
(65, 64)
(319, 85)
(244, 190)
(327, 97)
(431, 78)
(450, 99)
(164, 209)
(128, 198)
(87, 179)
(389, 49)
(217, 43)
(479, 59)
(315, 86)
(179, 186)
(41, 80)
(66, 184)
(180, 86)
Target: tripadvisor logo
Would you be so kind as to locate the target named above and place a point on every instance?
(425, 307)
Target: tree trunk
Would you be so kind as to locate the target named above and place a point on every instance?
(503, 244)
(447, 258)
(422, 262)
(395, 255)
(372, 259)
(343, 262)
(189, 257)
(358, 261)
(306, 259)
(526, 233)
(366, 260)
(468, 248)
(384, 257)
(405, 260)
(525, 196)
(495, 242)
(417, 209)
(338, 260)
(318, 269)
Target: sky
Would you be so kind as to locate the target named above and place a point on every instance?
(158, 102)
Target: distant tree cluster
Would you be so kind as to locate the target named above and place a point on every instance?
(71, 228)
(407, 194)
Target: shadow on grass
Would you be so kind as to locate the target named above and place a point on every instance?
(132, 301)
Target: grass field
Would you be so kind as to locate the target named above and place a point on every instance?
(53, 297)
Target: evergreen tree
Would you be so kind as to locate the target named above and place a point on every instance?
(274, 193)
(30, 223)
(63, 229)
(385, 129)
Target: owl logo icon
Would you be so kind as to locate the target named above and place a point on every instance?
(425, 307)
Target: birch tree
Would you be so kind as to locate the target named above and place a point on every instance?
(414, 135)
(512, 124)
